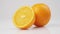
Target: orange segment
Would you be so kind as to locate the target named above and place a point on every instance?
(42, 13)
(24, 17)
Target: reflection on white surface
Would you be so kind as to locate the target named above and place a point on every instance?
(34, 31)
(6, 27)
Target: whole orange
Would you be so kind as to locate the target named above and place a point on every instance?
(42, 14)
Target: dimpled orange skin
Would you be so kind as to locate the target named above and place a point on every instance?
(42, 14)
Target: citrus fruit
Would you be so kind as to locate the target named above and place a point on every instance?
(42, 14)
(24, 17)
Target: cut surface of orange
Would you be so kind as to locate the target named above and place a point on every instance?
(24, 17)
(42, 14)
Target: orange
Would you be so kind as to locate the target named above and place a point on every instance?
(42, 14)
(24, 17)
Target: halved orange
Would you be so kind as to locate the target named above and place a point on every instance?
(42, 14)
(24, 17)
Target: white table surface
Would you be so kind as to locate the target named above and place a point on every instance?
(7, 27)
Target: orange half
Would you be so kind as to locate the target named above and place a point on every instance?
(24, 17)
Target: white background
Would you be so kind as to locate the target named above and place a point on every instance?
(8, 7)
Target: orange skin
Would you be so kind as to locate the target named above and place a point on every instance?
(42, 14)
